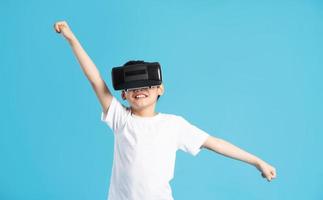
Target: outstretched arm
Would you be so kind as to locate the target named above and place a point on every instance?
(87, 65)
(227, 149)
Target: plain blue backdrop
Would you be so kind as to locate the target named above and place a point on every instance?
(250, 73)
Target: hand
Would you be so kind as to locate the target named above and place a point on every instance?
(267, 171)
(62, 27)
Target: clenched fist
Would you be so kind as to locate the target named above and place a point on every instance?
(62, 27)
(267, 171)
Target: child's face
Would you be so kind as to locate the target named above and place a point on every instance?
(143, 97)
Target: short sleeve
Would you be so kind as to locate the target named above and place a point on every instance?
(116, 115)
(190, 138)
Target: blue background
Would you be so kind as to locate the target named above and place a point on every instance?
(250, 73)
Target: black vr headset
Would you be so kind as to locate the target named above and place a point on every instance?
(136, 76)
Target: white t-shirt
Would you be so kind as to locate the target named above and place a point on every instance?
(145, 151)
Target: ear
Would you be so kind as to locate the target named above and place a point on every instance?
(123, 95)
(161, 89)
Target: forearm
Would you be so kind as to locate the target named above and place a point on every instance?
(87, 65)
(227, 149)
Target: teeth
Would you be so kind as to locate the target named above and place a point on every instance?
(140, 96)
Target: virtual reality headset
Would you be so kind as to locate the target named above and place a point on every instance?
(136, 76)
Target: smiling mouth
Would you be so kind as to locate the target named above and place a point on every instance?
(141, 96)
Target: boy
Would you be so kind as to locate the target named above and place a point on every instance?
(146, 142)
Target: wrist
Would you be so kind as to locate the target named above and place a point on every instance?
(257, 162)
(72, 40)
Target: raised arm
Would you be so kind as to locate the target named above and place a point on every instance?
(87, 65)
(227, 149)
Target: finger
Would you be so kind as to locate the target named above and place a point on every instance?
(61, 27)
(63, 23)
(268, 176)
(273, 172)
(57, 27)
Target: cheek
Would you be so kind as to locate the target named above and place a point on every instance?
(153, 96)
(127, 97)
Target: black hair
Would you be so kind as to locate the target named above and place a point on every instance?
(133, 62)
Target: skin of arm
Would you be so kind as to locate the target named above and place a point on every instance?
(90, 70)
(227, 149)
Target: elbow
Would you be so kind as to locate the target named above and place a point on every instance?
(213, 143)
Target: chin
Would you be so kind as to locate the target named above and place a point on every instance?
(141, 104)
